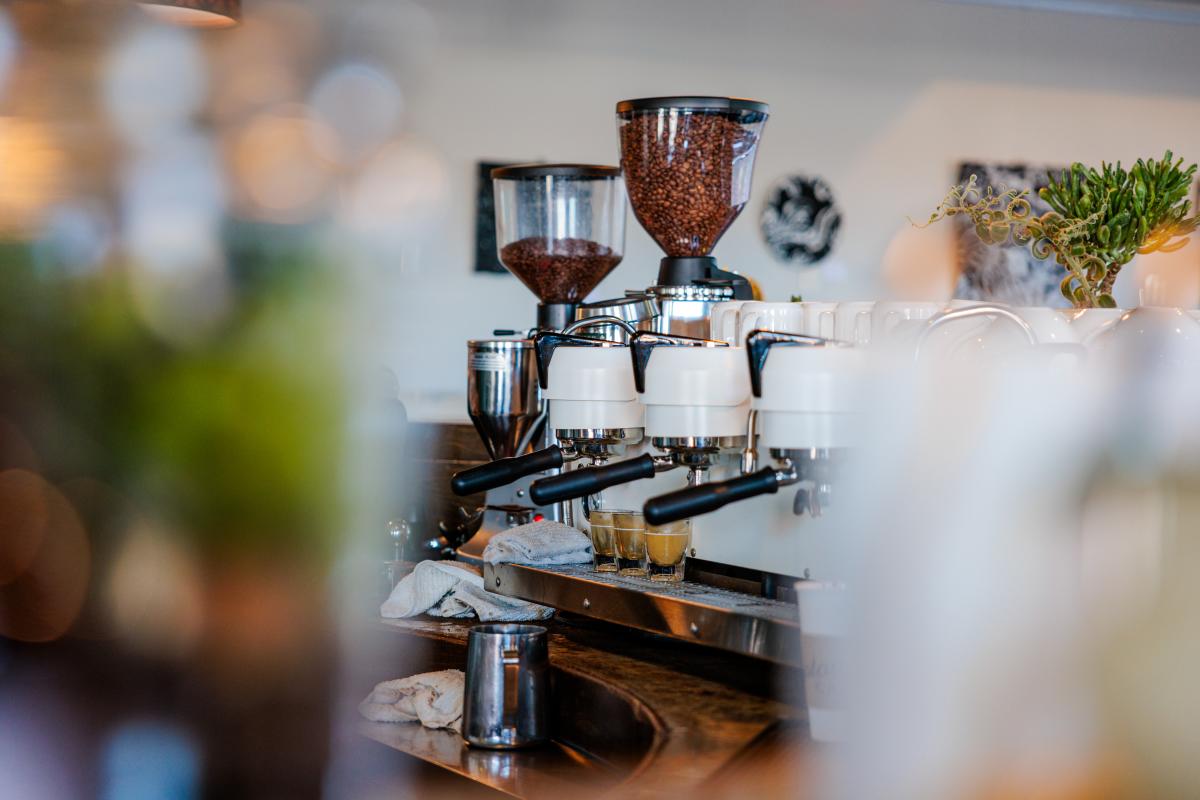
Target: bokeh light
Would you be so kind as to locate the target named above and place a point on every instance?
(146, 759)
(154, 81)
(42, 602)
(278, 165)
(154, 592)
(361, 106)
(265, 61)
(24, 513)
(173, 200)
(32, 172)
(399, 195)
(76, 237)
(8, 47)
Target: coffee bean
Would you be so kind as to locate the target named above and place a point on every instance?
(680, 167)
(559, 270)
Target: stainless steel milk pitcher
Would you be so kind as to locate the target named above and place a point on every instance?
(506, 686)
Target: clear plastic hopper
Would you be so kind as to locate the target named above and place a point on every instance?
(687, 163)
(560, 228)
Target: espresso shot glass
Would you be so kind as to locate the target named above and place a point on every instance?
(604, 545)
(629, 530)
(666, 548)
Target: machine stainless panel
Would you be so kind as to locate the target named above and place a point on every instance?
(741, 623)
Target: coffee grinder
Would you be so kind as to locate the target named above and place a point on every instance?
(688, 163)
(560, 228)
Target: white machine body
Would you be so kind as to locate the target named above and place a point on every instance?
(592, 388)
(811, 398)
(697, 391)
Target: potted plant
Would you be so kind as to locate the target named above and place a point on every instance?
(1099, 220)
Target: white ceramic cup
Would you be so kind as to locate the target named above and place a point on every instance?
(1090, 323)
(891, 318)
(820, 319)
(785, 317)
(1000, 335)
(852, 322)
(723, 322)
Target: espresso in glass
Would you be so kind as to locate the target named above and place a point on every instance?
(629, 529)
(666, 550)
(604, 547)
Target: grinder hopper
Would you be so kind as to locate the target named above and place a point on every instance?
(560, 228)
(687, 163)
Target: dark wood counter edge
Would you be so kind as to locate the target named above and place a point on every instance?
(700, 724)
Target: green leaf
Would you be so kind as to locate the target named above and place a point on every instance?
(1106, 301)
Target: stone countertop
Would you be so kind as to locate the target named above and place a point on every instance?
(707, 709)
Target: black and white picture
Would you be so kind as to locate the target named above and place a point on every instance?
(1009, 273)
(486, 258)
(800, 220)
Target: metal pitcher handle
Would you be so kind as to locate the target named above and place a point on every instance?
(511, 659)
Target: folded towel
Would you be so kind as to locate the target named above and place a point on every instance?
(545, 543)
(435, 699)
(451, 589)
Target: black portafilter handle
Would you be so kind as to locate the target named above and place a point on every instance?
(504, 471)
(589, 480)
(709, 497)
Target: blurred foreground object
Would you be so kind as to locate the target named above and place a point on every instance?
(195, 13)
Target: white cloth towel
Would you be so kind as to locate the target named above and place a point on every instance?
(544, 543)
(451, 589)
(435, 699)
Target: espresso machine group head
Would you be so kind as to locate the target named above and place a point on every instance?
(803, 411)
(696, 396)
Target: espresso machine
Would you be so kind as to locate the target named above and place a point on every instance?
(686, 163)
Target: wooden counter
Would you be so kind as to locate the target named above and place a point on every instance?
(638, 714)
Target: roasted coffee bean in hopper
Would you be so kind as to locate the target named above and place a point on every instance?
(560, 228)
(559, 270)
(687, 164)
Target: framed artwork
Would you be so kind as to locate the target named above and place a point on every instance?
(800, 220)
(486, 259)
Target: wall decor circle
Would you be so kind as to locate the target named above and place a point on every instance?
(800, 219)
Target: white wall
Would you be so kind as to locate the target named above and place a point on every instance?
(881, 97)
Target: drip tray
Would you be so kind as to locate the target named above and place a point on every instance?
(740, 623)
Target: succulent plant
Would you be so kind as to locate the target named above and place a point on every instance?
(1099, 220)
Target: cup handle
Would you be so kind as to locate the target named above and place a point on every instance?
(511, 659)
(862, 327)
(825, 324)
